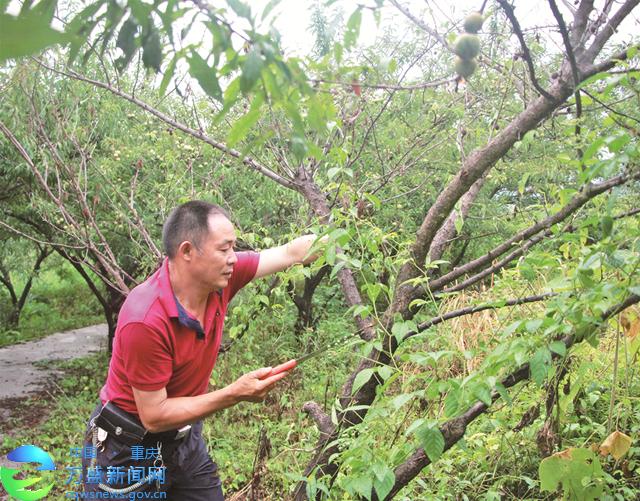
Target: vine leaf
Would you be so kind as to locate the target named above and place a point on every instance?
(577, 470)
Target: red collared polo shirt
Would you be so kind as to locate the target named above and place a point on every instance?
(153, 350)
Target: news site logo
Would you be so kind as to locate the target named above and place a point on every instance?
(18, 488)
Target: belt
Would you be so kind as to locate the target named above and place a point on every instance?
(168, 436)
(128, 429)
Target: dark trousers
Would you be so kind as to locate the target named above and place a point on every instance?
(190, 473)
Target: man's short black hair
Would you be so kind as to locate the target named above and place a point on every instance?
(189, 221)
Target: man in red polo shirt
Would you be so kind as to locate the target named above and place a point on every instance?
(166, 344)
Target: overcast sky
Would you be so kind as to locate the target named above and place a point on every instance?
(293, 17)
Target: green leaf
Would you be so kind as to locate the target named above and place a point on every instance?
(152, 51)
(539, 365)
(558, 347)
(385, 372)
(299, 148)
(401, 329)
(606, 226)
(333, 172)
(383, 483)
(432, 441)
(483, 393)
(251, 70)
(452, 402)
(361, 485)
(127, 42)
(45, 9)
(206, 76)
(353, 28)
(141, 11)
(533, 325)
(401, 399)
(361, 379)
(26, 35)
(244, 124)
(458, 222)
(114, 15)
(240, 8)
(522, 184)
(267, 10)
(551, 471)
(168, 74)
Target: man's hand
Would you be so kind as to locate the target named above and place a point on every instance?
(254, 386)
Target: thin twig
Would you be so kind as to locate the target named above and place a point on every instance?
(508, 9)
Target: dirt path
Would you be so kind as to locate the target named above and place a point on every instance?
(19, 376)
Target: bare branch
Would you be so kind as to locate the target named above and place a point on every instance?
(38, 241)
(580, 20)
(469, 310)
(420, 86)
(609, 29)
(508, 10)
(105, 262)
(608, 63)
(421, 24)
(570, 56)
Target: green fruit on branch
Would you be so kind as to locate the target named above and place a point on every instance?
(473, 22)
(465, 67)
(467, 46)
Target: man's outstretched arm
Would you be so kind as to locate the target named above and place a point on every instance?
(159, 413)
(280, 258)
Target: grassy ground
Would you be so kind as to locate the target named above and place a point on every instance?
(59, 300)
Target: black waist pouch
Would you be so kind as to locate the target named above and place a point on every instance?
(121, 425)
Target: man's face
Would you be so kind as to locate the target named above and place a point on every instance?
(213, 262)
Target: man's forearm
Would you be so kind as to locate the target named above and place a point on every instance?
(173, 413)
(159, 413)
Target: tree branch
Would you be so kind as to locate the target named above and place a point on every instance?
(580, 21)
(42, 255)
(323, 422)
(508, 10)
(198, 134)
(109, 267)
(609, 29)
(579, 200)
(609, 63)
(470, 310)
(421, 24)
(571, 57)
